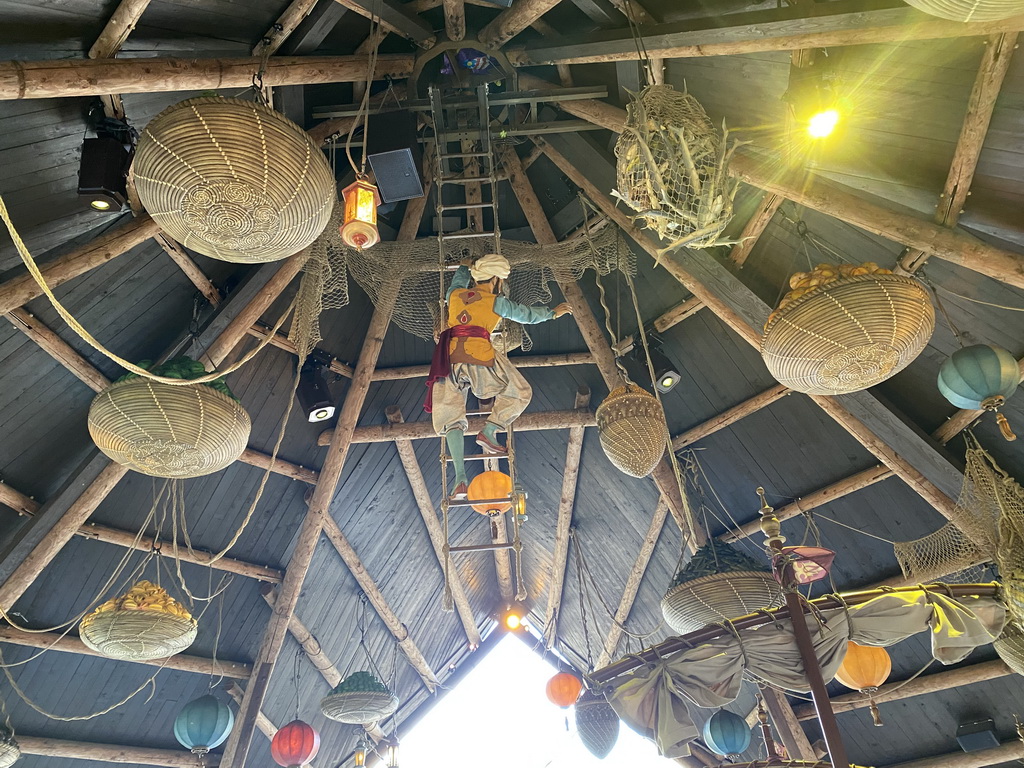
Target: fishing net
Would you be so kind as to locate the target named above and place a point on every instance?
(987, 524)
(672, 168)
(413, 269)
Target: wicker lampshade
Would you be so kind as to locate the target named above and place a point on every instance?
(848, 335)
(631, 425)
(138, 635)
(359, 698)
(233, 180)
(694, 604)
(970, 10)
(597, 724)
(168, 431)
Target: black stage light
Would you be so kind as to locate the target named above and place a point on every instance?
(314, 396)
(103, 172)
(665, 374)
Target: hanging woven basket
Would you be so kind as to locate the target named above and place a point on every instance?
(597, 724)
(848, 335)
(692, 605)
(970, 10)
(233, 180)
(168, 431)
(631, 425)
(359, 698)
(9, 749)
(143, 624)
(1010, 647)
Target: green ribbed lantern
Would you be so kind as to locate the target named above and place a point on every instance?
(981, 377)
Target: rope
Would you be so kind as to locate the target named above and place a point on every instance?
(89, 339)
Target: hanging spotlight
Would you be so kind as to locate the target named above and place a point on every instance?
(814, 99)
(359, 229)
(103, 168)
(512, 619)
(665, 374)
(314, 396)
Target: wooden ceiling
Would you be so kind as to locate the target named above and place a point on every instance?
(940, 113)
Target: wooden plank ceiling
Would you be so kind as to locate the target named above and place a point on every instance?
(911, 100)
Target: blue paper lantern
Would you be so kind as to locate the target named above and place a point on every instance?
(726, 733)
(203, 724)
(980, 377)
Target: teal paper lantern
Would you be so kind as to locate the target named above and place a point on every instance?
(726, 733)
(980, 377)
(203, 724)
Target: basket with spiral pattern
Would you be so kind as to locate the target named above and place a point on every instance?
(1010, 647)
(970, 10)
(137, 635)
(233, 180)
(694, 604)
(9, 749)
(848, 335)
(359, 698)
(597, 724)
(631, 425)
(165, 430)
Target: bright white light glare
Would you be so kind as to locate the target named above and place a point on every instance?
(100, 205)
(823, 123)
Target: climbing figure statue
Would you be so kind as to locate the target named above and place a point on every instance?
(466, 361)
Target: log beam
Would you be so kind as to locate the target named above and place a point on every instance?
(962, 419)
(190, 268)
(95, 77)
(310, 645)
(282, 29)
(563, 524)
(729, 417)
(784, 718)
(393, 17)
(426, 507)
(51, 641)
(677, 314)
(109, 753)
(757, 224)
(1006, 752)
(514, 20)
(522, 361)
(455, 18)
(114, 34)
(58, 349)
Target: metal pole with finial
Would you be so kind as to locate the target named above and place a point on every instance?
(773, 541)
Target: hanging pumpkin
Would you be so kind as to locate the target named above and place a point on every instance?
(563, 689)
(981, 377)
(864, 669)
(295, 744)
(493, 486)
(726, 733)
(203, 724)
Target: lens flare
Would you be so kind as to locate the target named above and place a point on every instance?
(823, 123)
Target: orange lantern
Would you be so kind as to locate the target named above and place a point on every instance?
(864, 669)
(359, 229)
(496, 487)
(564, 688)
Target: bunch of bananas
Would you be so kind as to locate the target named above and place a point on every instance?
(802, 283)
(144, 596)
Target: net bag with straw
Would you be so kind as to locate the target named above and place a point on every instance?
(233, 180)
(672, 168)
(359, 698)
(597, 724)
(143, 624)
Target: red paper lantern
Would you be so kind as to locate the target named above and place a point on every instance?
(295, 744)
(564, 688)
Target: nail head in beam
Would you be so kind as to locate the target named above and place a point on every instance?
(109, 753)
(71, 644)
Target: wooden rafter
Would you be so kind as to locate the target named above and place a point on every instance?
(190, 268)
(283, 28)
(730, 416)
(563, 523)
(791, 734)
(395, 18)
(1006, 752)
(757, 224)
(109, 42)
(436, 534)
(57, 348)
(109, 753)
(514, 20)
(982, 103)
(455, 18)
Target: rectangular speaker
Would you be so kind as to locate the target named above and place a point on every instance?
(978, 735)
(394, 153)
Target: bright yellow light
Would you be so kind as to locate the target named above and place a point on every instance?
(513, 621)
(823, 123)
(359, 229)
(667, 381)
(100, 205)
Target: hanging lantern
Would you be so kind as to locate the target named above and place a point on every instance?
(494, 487)
(295, 744)
(391, 755)
(203, 724)
(631, 425)
(359, 229)
(726, 733)
(359, 755)
(597, 724)
(563, 689)
(802, 565)
(981, 377)
(864, 668)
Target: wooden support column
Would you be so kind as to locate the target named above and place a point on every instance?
(563, 524)
(455, 18)
(980, 106)
(787, 725)
(729, 417)
(426, 507)
(633, 581)
(755, 226)
(52, 641)
(514, 20)
(109, 753)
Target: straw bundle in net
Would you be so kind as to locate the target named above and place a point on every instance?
(848, 335)
(970, 10)
(631, 425)
(710, 599)
(597, 724)
(233, 180)
(164, 430)
(359, 698)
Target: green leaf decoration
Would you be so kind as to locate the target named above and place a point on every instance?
(361, 681)
(181, 368)
(716, 557)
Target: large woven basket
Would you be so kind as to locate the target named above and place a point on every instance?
(233, 180)
(970, 10)
(848, 335)
(692, 605)
(631, 425)
(168, 431)
(597, 724)
(137, 635)
(358, 707)
(9, 750)
(1010, 647)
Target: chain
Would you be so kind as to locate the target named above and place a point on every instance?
(257, 77)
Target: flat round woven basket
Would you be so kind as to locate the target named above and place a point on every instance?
(358, 707)
(233, 180)
(9, 752)
(631, 425)
(1010, 647)
(137, 635)
(970, 10)
(597, 724)
(168, 431)
(710, 599)
(848, 335)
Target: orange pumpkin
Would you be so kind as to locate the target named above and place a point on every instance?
(491, 485)
(564, 688)
(865, 667)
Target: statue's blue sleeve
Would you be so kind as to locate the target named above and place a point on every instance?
(460, 280)
(521, 313)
